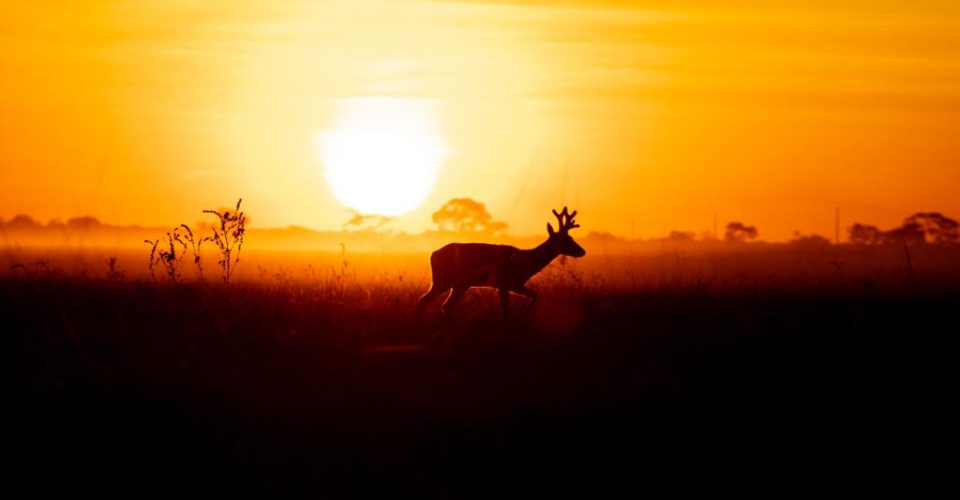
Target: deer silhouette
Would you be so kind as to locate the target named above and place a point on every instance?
(460, 266)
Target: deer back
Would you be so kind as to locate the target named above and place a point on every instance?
(472, 264)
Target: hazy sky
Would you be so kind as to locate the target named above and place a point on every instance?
(645, 116)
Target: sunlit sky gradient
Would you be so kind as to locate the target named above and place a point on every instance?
(646, 116)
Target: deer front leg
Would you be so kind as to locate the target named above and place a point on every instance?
(428, 297)
(452, 300)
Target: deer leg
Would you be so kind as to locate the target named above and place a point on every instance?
(452, 300)
(505, 301)
(428, 297)
(526, 292)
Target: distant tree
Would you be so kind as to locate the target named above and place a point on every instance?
(937, 228)
(85, 222)
(909, 233)
(738, 232)
(364, 222)
(603, 237)
(864, 234)
(809, 240)
(681, 236)
(464, 215)
(22, 221)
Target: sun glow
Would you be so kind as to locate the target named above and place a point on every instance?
(383, 154)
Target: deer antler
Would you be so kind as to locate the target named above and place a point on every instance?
(565, 219)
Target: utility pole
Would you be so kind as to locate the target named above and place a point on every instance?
(836, 227)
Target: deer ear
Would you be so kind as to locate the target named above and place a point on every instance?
(550, 229)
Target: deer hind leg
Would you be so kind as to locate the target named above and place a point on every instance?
(452, 300)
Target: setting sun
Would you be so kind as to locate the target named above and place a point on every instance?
(383, 154)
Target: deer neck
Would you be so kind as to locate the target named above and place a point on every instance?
(540, 256)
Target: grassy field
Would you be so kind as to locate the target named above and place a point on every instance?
(311, 375)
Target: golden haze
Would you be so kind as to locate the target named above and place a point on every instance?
(646, 119)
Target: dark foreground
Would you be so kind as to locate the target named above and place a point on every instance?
(275, 390)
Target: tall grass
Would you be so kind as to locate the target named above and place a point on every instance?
(228, 238)
(169, 251)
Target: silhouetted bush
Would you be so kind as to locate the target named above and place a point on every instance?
(865, 234)
(814, 240)
(22, 221)
(738, 232)
(936, 227)
(681, 236)
(85, 222)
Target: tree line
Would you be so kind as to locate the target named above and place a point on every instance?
(465, 215)
(919, 228)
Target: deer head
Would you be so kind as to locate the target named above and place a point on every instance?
(560, 239)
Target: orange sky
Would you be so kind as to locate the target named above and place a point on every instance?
(646, 118)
